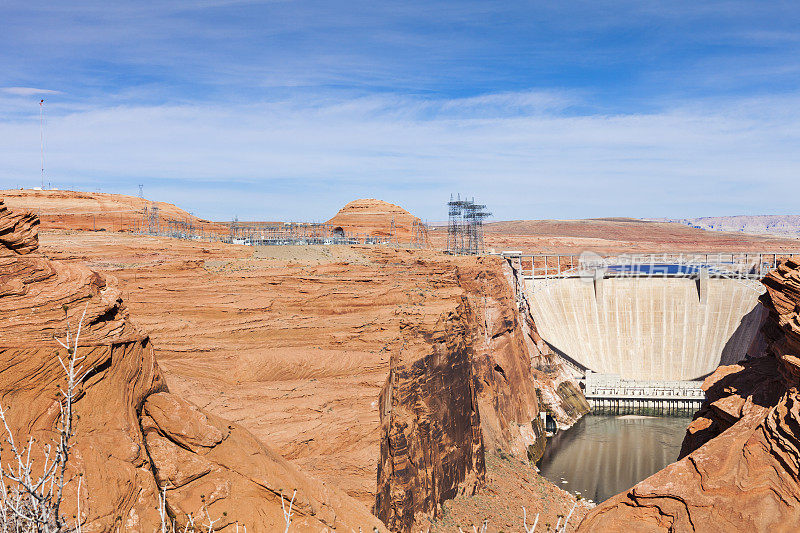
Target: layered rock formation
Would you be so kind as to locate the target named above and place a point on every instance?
(461, 387)
(431, 443)
(18, 232)
(206, 463)
(94, 211)
(740, 465)
(133, 439)
(380, 219)
(510, 395)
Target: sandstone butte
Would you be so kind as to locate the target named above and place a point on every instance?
(134, 438)
(377, 218)
(740, 462)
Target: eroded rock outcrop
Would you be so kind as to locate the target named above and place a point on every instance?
(510, 394)
(558, 391)
(205, 462)
(18, 232)
(133, 438)
(431, 443)
(740, 460)
(457, 388)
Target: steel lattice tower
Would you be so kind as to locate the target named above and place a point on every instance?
(465, 226)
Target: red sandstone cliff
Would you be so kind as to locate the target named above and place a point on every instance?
(133, 438)
(431, 442)
(557, 389)
(458, 388)
(511, 393)
(740, 466)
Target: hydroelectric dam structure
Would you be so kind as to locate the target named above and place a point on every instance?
(644, 330)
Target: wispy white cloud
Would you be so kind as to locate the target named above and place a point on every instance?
(27, 91)
(288, 109)
(302, 158)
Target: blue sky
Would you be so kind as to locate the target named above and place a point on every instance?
(289, 109)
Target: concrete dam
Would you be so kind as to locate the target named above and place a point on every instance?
(654, 329)
(634, 324)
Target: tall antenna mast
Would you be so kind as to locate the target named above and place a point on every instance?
(41, 134)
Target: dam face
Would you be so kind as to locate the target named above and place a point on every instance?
(647, 328)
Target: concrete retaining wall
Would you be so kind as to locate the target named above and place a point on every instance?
(649, 328)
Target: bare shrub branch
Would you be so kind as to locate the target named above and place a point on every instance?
(525, 521)
(287, 515)
(31, 501)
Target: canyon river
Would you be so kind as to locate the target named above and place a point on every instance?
(602, 455)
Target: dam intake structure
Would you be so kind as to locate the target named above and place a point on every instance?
(641, 332)
(614, 395)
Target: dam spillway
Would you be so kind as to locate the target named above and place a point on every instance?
(647, 328)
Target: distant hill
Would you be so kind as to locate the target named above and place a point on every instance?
(777, 225)
(376, 218)
(76, 210)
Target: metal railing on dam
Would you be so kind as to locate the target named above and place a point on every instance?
(748, 265)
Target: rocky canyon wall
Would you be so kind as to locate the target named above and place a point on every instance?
(459, 388)
(512, 391)
(133, 438)
(740, 463)
(296, 343)
(431, 444)
(558, 390)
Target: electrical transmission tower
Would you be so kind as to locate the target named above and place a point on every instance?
(153, 225)
(465, 226)
(419, 234)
